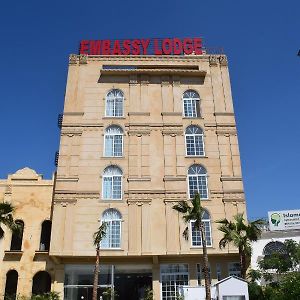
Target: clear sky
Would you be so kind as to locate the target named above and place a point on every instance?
(261, 39)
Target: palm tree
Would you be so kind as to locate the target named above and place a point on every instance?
(97, 238)
(240, 235)
(6, 218)
(194, 213)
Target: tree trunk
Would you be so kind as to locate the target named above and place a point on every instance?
(205, 263)
(242, 262)
(96, 274)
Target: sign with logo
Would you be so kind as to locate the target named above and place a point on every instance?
(284, 219)
(167, 46)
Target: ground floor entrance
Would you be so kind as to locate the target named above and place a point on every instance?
(115, 282)
(132, 281)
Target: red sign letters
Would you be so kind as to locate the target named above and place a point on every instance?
(174, 46)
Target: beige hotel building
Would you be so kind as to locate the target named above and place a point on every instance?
(138, 134)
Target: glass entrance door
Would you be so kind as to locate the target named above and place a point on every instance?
(127, 281)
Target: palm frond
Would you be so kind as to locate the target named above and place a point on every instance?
(182, 207)
(223, 222)
(6, 208)
(99, 234)
(223, 242)
(186, 233)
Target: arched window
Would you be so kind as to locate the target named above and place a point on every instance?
(11, 285)
(275, 247)
(17, 237)
(194, 141)
(41, 283)
(112, 183)
(191, 104)
(114, 103)
(113, 141)
(197, 181)
(195, 233)
(45, 236)
(113, 231)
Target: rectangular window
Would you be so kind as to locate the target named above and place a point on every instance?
(107, 187)
(112, 187)
(198, 184)
(110, 107)
(117, 187)
(173, 276)
(118, 145)
(196, 236)
(113, 235)
(79, 281)
(199, 145)
(200, 274)
(190, 145)
(109, 140)
(118, 109)
(234, 269)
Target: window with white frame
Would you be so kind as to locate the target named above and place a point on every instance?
(200, 274)
(172, 276)
(191, 104)
(234, 268)
(114, 103)
(113, 219)
(194, 141)
(113, 141)
(112, 183)
(197, 181)
(195, 232)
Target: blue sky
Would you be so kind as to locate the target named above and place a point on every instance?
(261, 39)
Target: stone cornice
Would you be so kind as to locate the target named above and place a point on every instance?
(171, 113)
(224, 114)
(174, 178)
(73, 113)
(82, 125)
(231, 178)
(67, 179)
(172, 132)
(139, 113)
(139, 179)
(65, 202)
(71, 132)
(155, 58)
(138, 202)
(72, 195)
(226, 132)
(181, 72)
(230, 200)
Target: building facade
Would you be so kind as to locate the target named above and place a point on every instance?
(25, 264)
(281, 227)
(139, 134)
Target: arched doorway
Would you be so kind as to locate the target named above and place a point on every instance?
(11, 285)
(45, 236)
(17, 237)
(41, 283)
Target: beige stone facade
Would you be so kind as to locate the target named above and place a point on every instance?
(31, 195)
(125, 157)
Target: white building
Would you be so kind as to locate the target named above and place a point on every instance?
(283, 225)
